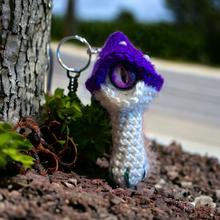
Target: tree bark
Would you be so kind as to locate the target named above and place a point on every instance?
(24, 57)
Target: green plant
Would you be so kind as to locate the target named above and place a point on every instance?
(10, 144)
(87, 125)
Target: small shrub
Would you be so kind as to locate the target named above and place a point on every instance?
(10, 144)
(87, 125)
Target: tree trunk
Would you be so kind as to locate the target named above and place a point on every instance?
(24, 57)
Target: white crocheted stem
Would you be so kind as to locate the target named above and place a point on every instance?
(128, 163)
(128, 148)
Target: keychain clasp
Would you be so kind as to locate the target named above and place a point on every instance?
(75, 73)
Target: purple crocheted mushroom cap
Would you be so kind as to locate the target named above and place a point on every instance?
(118, 49)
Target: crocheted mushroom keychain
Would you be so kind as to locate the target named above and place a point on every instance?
(125, 82)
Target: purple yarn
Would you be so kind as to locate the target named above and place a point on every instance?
(113, 53)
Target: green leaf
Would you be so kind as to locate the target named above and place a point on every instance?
(3, 158)
(16, 136)
(5, 127)
(5, 138)
(107, 140)
(68, 104)
(48, 98)
(10, 143)
(76, 106)
(70, 111)
(60, 103)
(62, 143)
(58, 93)
(26, 161)
(81, 141)
(76, 132)
(67, 131)
(61, 115)
(63, 126)
(20, 145)
(99, 147)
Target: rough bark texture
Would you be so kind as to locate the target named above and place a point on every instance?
(24, 57)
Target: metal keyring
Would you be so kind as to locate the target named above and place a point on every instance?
(77, 71)
(73, 84)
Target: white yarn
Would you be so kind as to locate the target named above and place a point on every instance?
(122, 43)
(146, 57)
(126, 108)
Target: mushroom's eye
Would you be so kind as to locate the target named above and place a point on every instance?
(122, 78)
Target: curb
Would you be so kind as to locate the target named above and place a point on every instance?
(179, 67)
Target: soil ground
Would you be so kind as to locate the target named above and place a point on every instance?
(88, 193)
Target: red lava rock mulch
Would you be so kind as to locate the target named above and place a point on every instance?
(87, 193)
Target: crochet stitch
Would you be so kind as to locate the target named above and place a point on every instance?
(129, 163)
(114, 52)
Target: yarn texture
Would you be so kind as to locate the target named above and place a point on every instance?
(114, 52)
(129, 163)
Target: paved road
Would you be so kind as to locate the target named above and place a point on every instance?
(186, 110)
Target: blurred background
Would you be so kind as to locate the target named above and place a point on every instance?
(182, 38)
(171, 29)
